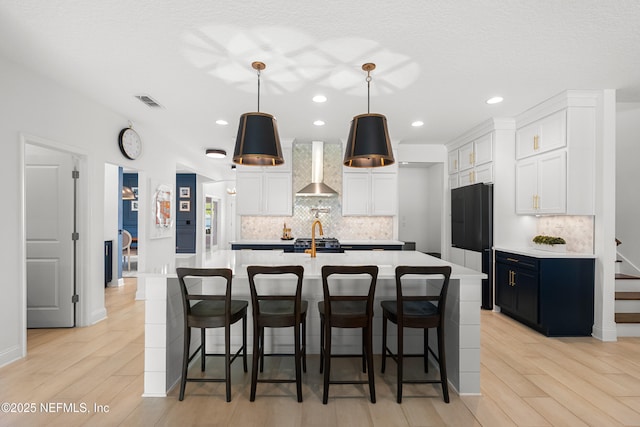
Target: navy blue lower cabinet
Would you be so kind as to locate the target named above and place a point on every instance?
(551, 295)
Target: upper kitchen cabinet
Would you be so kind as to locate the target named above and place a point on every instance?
(555, 151)
(453, 162)
(265, 190)
(370, 192)
(541, 184)
(542, 135)
(471, 158)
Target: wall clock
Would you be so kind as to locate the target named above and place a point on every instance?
(130, 143)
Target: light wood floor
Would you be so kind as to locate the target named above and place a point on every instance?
(527, 380)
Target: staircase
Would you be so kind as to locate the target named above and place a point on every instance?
(627, 305)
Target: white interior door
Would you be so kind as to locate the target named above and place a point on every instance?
(49, 226)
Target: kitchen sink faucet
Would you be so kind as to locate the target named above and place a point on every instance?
(312, 251)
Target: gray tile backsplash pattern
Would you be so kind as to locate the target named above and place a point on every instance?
(333, 223)
(577, 231)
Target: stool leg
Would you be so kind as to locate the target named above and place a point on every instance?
(364, 352)
(400, 359)
(227, 359)
(254, 365)
(261, 349)
(304, 344)
(321, 343)
(384, 343)
(426, 349)
(369, 353)
(298, 361)
(443, 364)
(203, 351)
(244, 342)
(327, 362)
(185, 360)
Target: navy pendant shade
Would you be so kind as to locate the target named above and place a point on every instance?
(368, 145)
(258, 142)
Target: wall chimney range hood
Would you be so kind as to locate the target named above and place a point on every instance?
(317, 187)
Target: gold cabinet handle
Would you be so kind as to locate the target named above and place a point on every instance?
(455, 164)
(513, 260)
(472, 158)
(536, 143)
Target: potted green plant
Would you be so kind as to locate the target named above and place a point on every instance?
(550, 243)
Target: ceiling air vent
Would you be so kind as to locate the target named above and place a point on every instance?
(148, 101)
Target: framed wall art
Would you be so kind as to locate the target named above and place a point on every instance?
(185, 192)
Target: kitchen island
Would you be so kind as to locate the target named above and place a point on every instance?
(164, 327)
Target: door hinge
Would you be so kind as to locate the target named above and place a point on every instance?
(75, 236)
(75, 298)
(75, 174)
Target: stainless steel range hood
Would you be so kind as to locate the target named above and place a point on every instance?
(317, 187)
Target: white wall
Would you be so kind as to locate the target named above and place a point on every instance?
(413, 206)
(435, 185)
(111, 198)
(627, 196)
(36, 106)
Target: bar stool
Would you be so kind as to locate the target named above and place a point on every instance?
(278, 311)
(211, 311)
(347, 311)
(417, 311)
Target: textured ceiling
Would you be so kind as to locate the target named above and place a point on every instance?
(437, 60)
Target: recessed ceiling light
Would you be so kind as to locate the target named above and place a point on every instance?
(319, 98)
(216, 153)
(417, 123)
(318, 123)
(495, 100)
(222, 122)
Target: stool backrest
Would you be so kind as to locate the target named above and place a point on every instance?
(256, 296)
(329, 270)
(441, 272)
(224, 273)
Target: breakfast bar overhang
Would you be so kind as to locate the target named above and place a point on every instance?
(163, 311)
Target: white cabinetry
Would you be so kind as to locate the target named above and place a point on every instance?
(541, 184)
(472, 162)
(369, 193)
(265, 190)
(543, 135)
(555, 152)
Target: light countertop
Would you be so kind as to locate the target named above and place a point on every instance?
(342, 242)
(537, 253)
(386, 261)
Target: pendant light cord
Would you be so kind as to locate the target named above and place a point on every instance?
(368, 91)
(258, 91)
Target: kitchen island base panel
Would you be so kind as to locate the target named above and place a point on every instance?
(164, 332)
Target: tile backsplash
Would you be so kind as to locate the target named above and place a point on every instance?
(577, 231)
(330, 208)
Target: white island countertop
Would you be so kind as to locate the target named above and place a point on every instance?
(238, 261)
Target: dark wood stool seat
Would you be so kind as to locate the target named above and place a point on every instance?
(211, 311)
(278, 311)
(347, 311)
(417, 311)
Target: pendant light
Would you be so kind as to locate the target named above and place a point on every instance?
(368, 145)
(258, 142)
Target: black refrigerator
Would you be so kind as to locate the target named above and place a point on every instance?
(472, 228)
